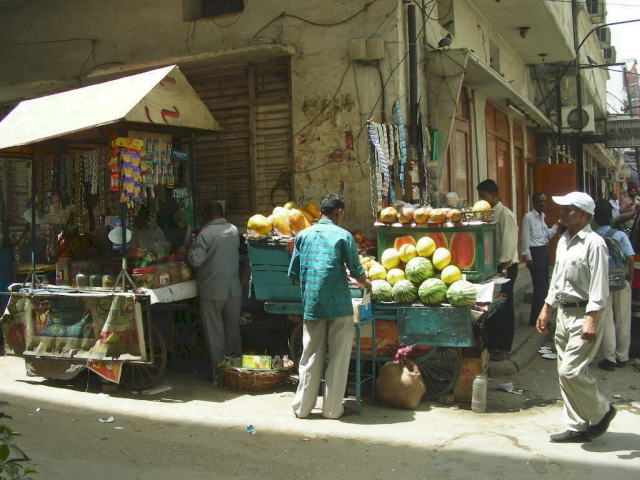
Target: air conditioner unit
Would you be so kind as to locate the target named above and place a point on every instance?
(609, 54)
(572, 119)
(597, 10)
(604, 36)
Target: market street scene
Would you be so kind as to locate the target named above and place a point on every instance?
(284, 239)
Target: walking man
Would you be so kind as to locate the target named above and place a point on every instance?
(215, 255)
(616, 336)
(628, 204)
(579, 289)
(500, 326)
(318, 263)
(535, 238)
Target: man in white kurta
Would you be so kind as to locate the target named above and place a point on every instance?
(579, 289)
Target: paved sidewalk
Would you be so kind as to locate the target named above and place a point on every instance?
(526, 343)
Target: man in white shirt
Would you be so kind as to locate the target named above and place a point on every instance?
(616, 337)
(533, 248)
(579, 289)
(501, 325)
(613, 200)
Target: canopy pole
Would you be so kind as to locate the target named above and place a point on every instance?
(124, 275)
(35, 282)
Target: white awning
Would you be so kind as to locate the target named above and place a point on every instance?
(161, 97)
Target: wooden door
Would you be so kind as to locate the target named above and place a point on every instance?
(554, 179)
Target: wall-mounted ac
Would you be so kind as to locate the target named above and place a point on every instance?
(573, 118)
(609, 54)
(604, 36)
(597, 10)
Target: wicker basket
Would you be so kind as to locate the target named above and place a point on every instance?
(244, 379)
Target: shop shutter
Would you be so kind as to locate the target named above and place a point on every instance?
(15, 176)
(252, 155)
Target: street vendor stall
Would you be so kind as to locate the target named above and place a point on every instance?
(110, 174)
(422, 291)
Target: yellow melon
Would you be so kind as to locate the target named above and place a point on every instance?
(481, 206)
(281, 223)
(313, 209)
(296, 220)
(259, 224)
(308, 216)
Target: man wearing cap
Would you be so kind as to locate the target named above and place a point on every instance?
(579, 289)
(533, 247)
(501, 325)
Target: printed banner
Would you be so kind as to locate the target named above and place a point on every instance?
(96, 327)
(108, 370)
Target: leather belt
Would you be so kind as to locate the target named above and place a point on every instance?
(580, 304)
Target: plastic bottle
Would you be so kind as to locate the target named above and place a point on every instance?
(479, 394)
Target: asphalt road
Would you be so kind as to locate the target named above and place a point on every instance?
(195, 432)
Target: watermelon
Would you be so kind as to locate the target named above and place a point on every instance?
(463, 250)
(381, 291)
(398, 242)
(439, 238)
(433, 291)
(404, 291)
(418, 269)
(462, 294)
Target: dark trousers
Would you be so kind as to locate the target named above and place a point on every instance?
(501, 325)
(540, 280)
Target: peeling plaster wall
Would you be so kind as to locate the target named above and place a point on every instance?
(330, 144)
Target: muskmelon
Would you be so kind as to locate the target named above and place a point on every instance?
(297, 222)
(390, 258)
(463, 250)
(407, 252)
(281, 222)
(450, 274)
(395, 275)
(388, 215)
(426, 246)
(441, 258)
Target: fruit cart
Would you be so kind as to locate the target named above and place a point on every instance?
(438, 331)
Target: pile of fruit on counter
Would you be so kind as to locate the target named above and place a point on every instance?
(410, 215)
(289, 220)
(285, 221)
(421, 270)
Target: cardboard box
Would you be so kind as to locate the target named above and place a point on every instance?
(361, 307)
(256, 362)
(474, 362)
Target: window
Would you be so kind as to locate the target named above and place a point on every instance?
(198, 9)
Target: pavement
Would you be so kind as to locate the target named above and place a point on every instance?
(526, 343)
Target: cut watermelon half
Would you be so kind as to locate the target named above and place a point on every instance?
(398, 242)
(463, 250)
(439, 238)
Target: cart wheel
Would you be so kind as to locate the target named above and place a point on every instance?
(441, 370)
(138, 375)
(295, 344)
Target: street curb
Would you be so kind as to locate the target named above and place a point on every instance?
(522, 357)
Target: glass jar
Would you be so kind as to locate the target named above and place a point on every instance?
(95, 280)
(108, 280)
(144, 277)
(162, 275)
(185, 271)
(173, 266)
(82, 279)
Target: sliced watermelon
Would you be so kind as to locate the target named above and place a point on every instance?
(439, 238)
(398, 242)
(463, 250)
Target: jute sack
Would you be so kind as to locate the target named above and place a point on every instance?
(399, 384)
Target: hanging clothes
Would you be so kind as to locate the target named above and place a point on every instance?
(398, 121)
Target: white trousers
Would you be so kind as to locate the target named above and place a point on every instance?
(616, 337)
(583, 404)
(337, 335)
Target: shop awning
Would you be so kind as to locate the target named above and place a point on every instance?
(161, 97)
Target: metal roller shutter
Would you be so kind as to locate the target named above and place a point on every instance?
(249, 161)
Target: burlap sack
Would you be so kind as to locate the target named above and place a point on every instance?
(399, 384)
